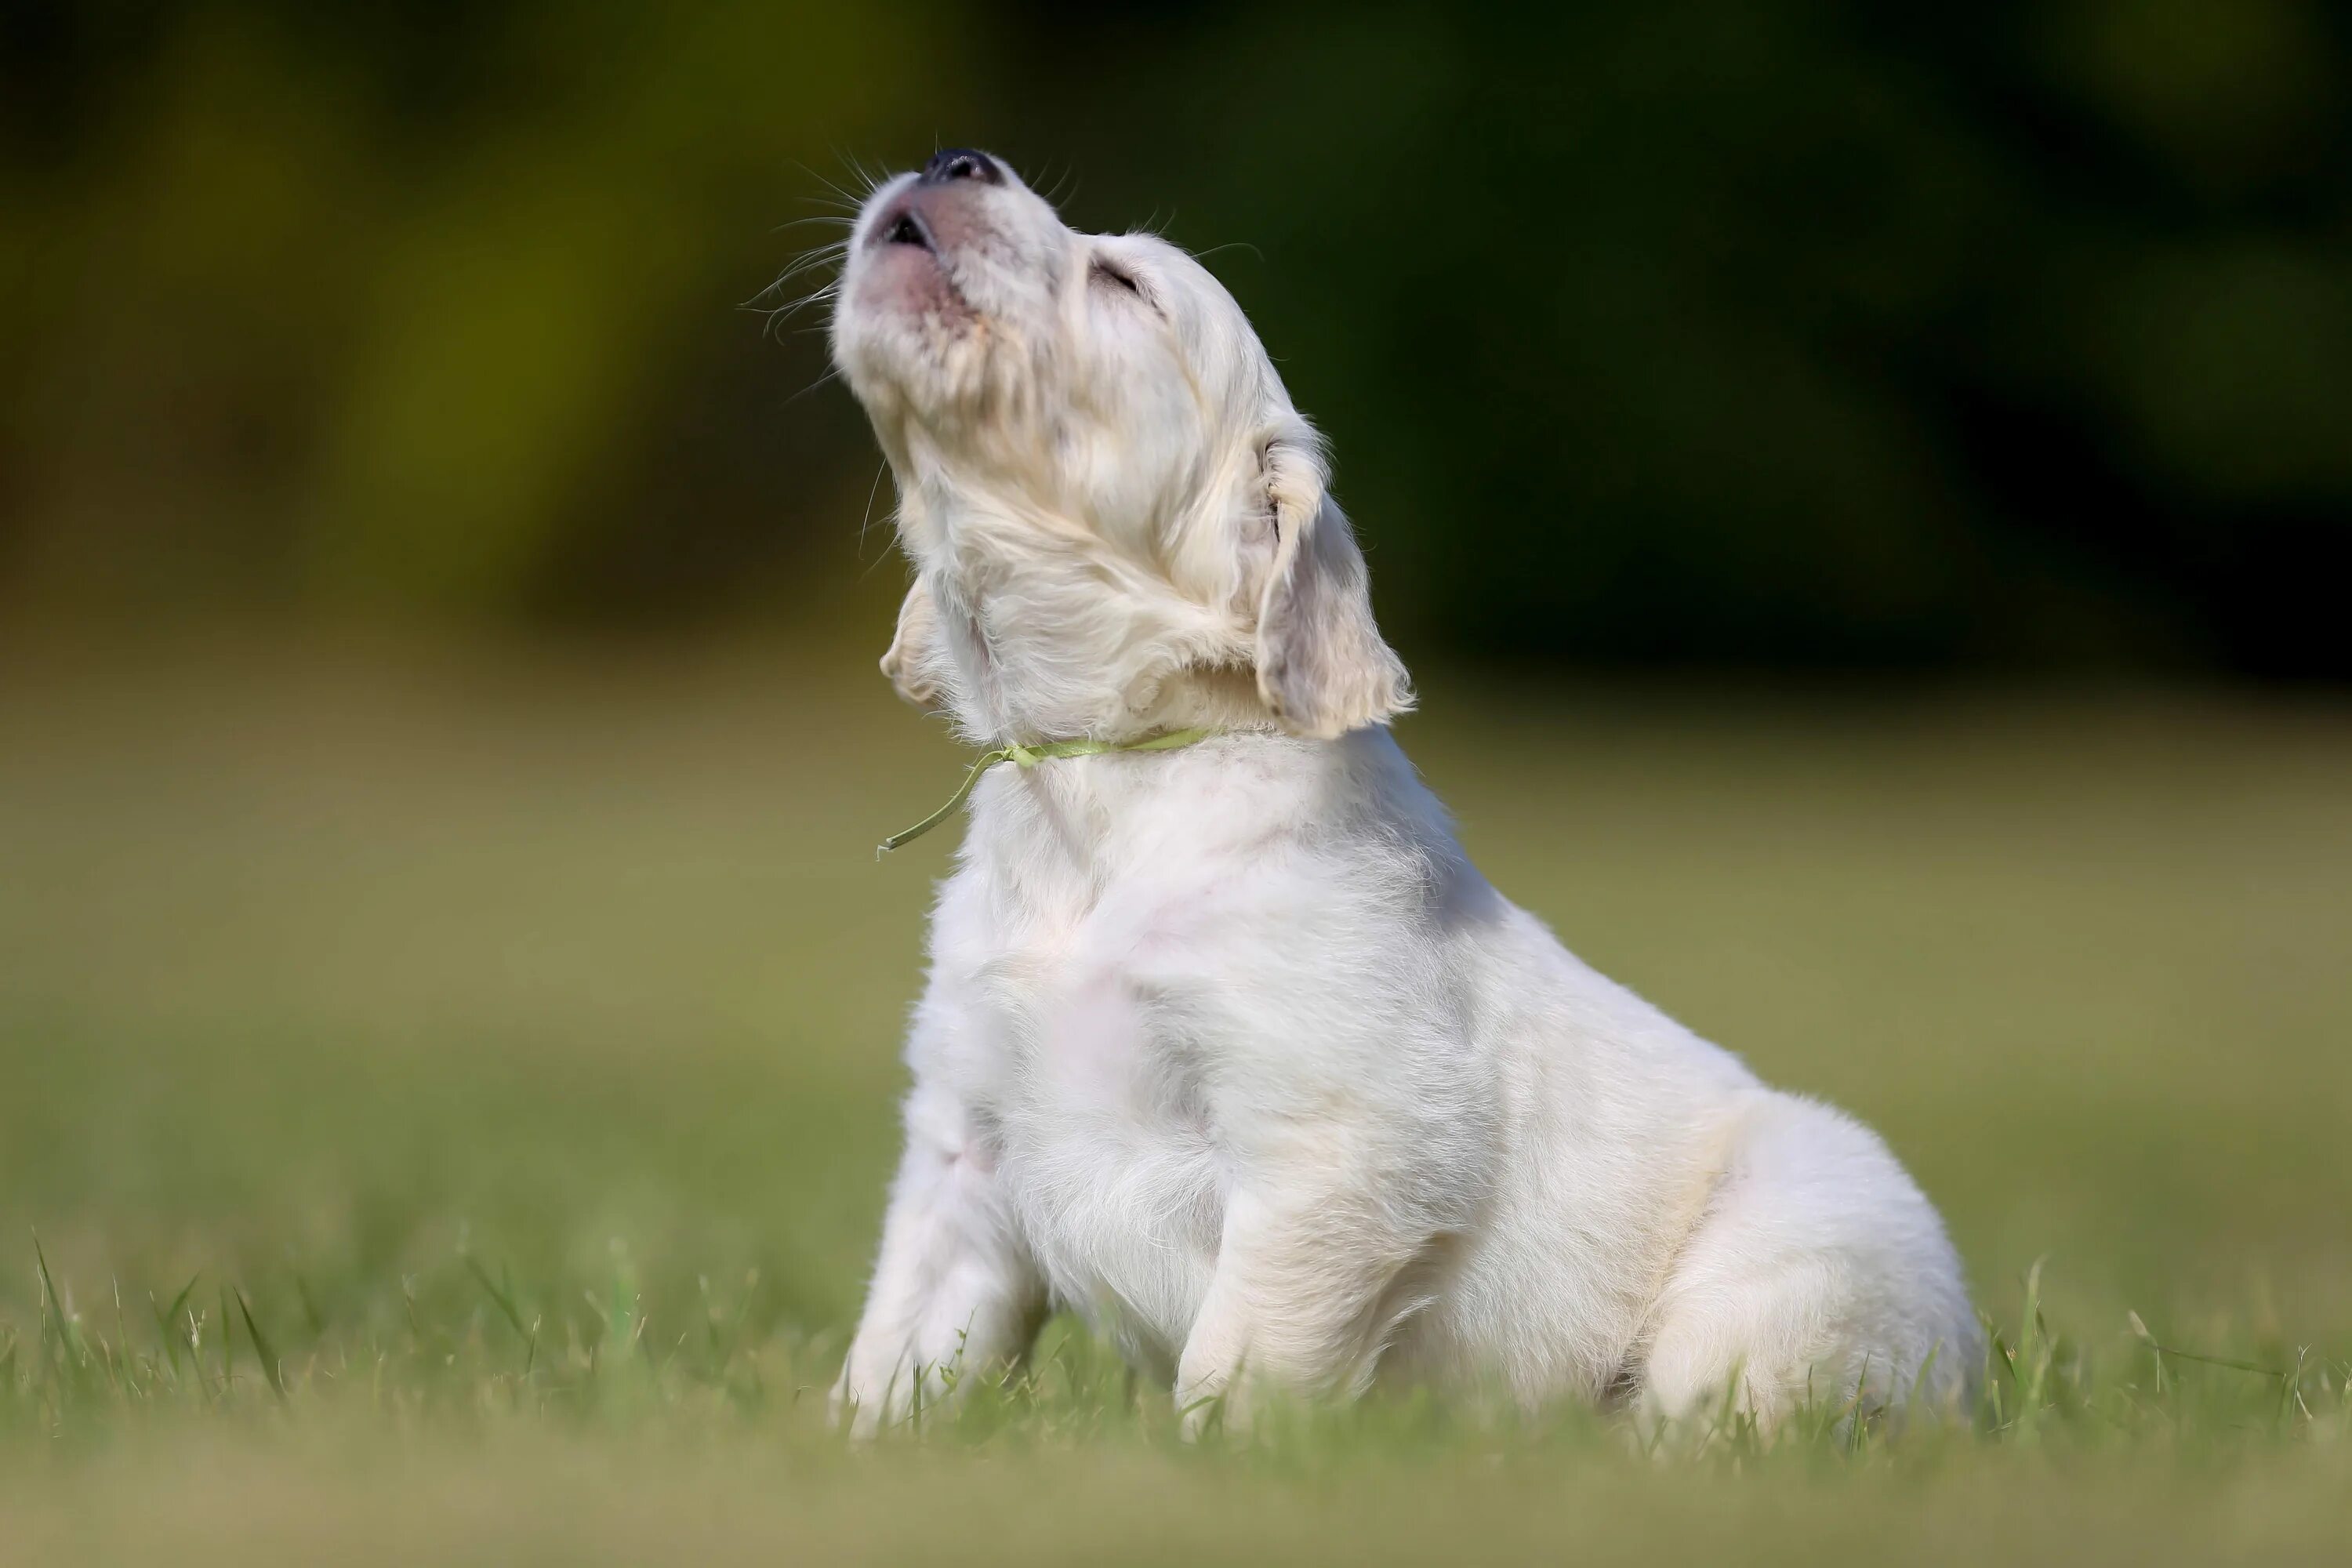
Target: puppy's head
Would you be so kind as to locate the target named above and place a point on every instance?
(1106, 492)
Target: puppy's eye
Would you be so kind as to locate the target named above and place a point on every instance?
(1104, 272)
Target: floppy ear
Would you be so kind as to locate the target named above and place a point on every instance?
(915, 663)
(1321, 665)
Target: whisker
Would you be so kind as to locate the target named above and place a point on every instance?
(778, 315)
(865, 520)
(872, 183)
(811, 262)
(779, 323)
(827, 379)
(846, 196)
(815, 256)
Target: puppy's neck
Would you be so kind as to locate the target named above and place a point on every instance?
(1019, 667)
(1045, 633)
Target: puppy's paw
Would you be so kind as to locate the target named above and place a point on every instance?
(875, 1392)
(1212, 1406)
(915, 663)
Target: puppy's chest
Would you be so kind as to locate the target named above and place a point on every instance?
(1080, 1057)
(1080, 1053)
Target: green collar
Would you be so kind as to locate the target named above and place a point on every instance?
(1029, 757)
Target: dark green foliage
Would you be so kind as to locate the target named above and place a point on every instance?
(1698, 331)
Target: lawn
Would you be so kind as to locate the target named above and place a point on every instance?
(452, 1090)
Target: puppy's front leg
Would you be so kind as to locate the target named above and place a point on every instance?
(954, 1289)
(1310, 1279)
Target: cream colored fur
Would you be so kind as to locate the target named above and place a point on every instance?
(1230, 1048)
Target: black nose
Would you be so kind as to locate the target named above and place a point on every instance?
(961, 164)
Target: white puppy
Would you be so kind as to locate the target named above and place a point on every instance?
(1227, 1046)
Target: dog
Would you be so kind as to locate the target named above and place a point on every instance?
(1225, 1045)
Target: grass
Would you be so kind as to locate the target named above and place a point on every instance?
(445, 1098)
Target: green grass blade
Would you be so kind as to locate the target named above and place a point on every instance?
(503, 1300)
(261, 1347)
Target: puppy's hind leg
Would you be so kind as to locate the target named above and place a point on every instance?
(1819, 1274)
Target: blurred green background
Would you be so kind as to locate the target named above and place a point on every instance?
(1696, 333)
(1862, 487)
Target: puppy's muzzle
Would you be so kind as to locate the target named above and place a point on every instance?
(939, 210)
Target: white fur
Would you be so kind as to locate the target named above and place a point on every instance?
(1230, 1048)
